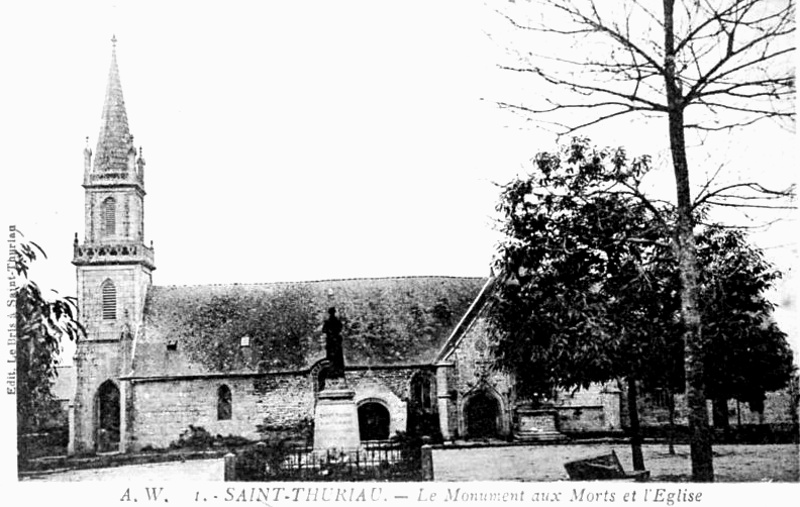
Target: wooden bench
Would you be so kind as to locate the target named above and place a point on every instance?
(602, 468)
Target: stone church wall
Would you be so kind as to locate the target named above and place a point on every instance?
(130, 284)
(165, 409)
(394, 380)
(129, 216)
(473, 373)
(594, 409)
(283, 401)
(94, 365)
(447, 398)
(389, 387)
(104, 354)
(779, 408)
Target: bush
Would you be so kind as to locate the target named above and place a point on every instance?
(150, 449)
(45, 443)
(424, 424)
(410, 447)
(233, 441)
(253, 463)
(299, 433)
(196, 437)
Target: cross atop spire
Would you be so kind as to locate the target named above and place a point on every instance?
(115, 143)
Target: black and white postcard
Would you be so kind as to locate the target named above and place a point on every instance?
(407, 253)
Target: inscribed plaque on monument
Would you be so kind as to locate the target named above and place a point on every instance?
(336, 425)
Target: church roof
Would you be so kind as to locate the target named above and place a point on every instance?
(114, 142)
(198, 330)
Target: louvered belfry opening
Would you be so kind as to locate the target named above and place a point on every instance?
(109, 300)
(109, 216)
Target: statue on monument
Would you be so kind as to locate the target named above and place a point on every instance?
(335, 414)
(333, 344)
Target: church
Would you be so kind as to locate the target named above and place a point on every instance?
(249, 360)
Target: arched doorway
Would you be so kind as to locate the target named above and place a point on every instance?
(481, 413)
(373, 421)
(107, 436)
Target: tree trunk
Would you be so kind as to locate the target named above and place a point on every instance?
(636, 430)
(699, 431)
(671, 431)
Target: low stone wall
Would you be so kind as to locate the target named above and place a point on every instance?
(581, 419)
(779, 408)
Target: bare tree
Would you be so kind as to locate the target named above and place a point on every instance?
(704, 65)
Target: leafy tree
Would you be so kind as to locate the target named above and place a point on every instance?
(748, 354)
(583, 254)
(592, 286)
(41, 325)
(702, 65)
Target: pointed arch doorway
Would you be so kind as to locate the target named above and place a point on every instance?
(108, 417)
(482, 416)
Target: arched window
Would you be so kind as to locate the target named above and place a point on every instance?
(109, 209)
(109, 300)
(224, 408)
(421, 391)
(423, 417)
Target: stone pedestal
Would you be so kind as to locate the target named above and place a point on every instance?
(336, 418)
(538, 424)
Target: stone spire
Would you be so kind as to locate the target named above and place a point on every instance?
(115, 152)
(114, 186)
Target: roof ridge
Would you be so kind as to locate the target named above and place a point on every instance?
(404, 277)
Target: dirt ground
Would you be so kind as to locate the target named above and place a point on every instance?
(732, 463)
(201, 470)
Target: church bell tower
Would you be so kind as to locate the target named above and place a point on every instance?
(114, 271)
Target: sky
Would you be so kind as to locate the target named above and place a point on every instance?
(290, 141)
(282, 142)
